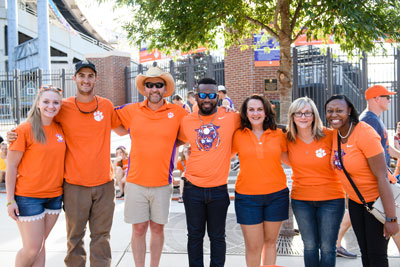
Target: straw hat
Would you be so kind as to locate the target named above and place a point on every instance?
(156, 72)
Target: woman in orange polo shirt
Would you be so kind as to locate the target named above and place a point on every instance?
(317, 194)
(34, 176)
(262, 196)
(363, 158)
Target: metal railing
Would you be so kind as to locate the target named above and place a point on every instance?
(319, 75)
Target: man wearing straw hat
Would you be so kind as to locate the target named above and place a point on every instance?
(153, 127)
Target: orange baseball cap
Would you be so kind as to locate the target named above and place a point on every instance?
(377, 90)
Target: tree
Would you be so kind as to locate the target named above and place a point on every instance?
(185, 25)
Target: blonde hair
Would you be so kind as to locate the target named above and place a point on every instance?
(316, 126)
(34, 116)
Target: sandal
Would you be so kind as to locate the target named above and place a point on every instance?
(120, 195)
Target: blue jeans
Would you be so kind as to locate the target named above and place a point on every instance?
(319, 223)
(206, 206)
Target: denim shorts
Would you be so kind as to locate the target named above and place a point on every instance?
(33, 208)
(255, 209)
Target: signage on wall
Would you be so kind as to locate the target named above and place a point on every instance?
(270, 85)
(146, 55)
(266, 52)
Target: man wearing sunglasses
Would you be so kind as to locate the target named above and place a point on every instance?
(205, 196)
(378, 100)
(153, 127)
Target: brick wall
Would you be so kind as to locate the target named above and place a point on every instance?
(110, 68)
(242, 78)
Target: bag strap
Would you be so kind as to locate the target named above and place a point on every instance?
(348, 175)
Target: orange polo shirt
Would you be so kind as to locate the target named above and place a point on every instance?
(87, 159)
(261, 169)
(363, 143)
(153, 137)
(210, 155)
(313, 176)
(41, 169)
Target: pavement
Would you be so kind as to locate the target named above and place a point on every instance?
(174, 252)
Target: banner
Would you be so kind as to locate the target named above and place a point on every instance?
(147, 56)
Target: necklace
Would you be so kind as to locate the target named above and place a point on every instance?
(88, 112)
(202, 122)
(348, 132)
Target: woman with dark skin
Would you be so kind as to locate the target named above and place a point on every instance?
(364, 159)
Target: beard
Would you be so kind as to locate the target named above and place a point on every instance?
(207, 110)
(155, 98)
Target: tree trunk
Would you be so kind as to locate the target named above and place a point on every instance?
(285, 77)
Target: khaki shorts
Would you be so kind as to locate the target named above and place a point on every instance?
(147, 203)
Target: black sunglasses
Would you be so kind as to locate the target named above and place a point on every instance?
(157, 85)
(204, 95)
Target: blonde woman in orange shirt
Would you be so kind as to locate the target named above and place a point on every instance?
(317, 194)
(261, 193)
(35, 176)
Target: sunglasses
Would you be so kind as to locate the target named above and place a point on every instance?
(151, 85)
(50, 87)
(387, 96)
(204, 95)
(300, 114)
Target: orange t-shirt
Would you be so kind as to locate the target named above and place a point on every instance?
(41, 169)
(261, 170)
(153, 137)
(211, 145)
(125, 164)
(87, 160)
(363, 143)
(181, 165)
(313, 176)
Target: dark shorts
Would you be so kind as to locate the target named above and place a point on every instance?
(255, 209)
(32, 208)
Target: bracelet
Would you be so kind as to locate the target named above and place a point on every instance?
(389, 219)
(9, 203)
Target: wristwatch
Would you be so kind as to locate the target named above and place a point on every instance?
(389, 219)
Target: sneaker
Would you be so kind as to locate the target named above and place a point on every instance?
(180, 200)
(342, 252)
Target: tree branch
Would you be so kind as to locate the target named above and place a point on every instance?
(278, 8)
(296, 15)
(307, 24)
(266, 27)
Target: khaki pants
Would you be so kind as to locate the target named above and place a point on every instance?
(96, 206)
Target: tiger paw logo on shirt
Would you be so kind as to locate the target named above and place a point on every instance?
(59, 138)
(320, 153)
(170, 115)
(206, 136)
(98, 115)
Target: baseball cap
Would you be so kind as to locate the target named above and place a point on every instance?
(377, 90)
(221, 88)
(84, 64)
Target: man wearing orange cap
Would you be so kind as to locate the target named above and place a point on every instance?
(153, 127)
(378, 100)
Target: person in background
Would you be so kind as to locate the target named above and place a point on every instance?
(261, 193)
(191, 97)
(317, 195)
(120, 165)
(181, 166)
(224, 100)
(178, 100)
(364, 159)
(3, 161)
(34, 176)
(397, 146)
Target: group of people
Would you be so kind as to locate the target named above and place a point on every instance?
(61, 154)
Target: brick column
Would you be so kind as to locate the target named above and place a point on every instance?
(110, 68)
